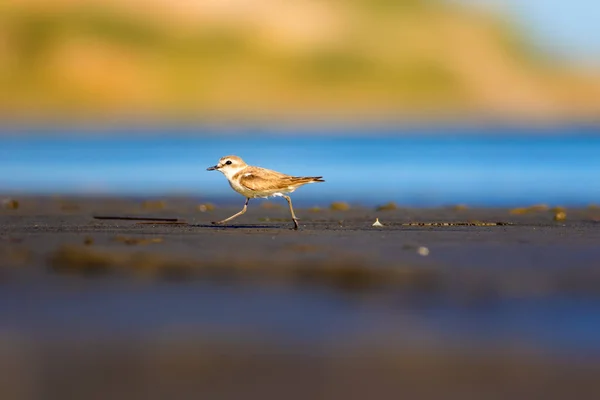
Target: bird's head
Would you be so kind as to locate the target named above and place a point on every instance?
(228, 165)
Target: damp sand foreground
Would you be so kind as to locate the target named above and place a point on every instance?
(484, 302)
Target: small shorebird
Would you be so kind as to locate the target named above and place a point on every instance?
(256, 182)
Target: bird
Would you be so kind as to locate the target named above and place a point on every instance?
(255, 182)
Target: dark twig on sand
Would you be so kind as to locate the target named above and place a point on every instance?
(472, 223)
(178, 222)
(137, 218)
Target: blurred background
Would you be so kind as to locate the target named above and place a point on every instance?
(402, 104)
(209, 60)
(483, 102)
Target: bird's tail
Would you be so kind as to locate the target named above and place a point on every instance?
(308, 179)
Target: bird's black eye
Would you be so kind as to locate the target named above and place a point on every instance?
(228, 162)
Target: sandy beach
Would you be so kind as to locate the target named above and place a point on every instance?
(483, 302)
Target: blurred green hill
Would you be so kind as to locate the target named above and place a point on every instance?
(274, 59)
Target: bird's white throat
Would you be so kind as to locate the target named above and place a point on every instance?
(230, 172)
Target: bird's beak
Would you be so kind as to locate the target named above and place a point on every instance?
(214, 168)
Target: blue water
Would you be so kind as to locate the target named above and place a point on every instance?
(419, 167)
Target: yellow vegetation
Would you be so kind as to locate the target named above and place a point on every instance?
(387, 207)
(339, 206)
(277, 59)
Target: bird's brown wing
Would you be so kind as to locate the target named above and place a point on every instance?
(262, 180)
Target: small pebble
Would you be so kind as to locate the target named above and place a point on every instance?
(560, 216)
(205, 207)
(423, 251)
(10, 204)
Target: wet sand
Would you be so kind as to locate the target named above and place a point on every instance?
(447, 302)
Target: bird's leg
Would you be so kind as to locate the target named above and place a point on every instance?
(289, 200)
(235, 215)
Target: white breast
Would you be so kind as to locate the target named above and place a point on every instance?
(240, 189)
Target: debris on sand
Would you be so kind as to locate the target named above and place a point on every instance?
(10, 204)
(457, 223)
(143, 219)
(205, 207)
(83, 260)
(351, 276)
(423, 251)
(529, 210)
(519, 211)
(377, 223)
(560, 216)
(135, 240)
(154, 205)
(387, 207)
(161, 223)
(558, 211)
(339, 206)
(337, 273)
